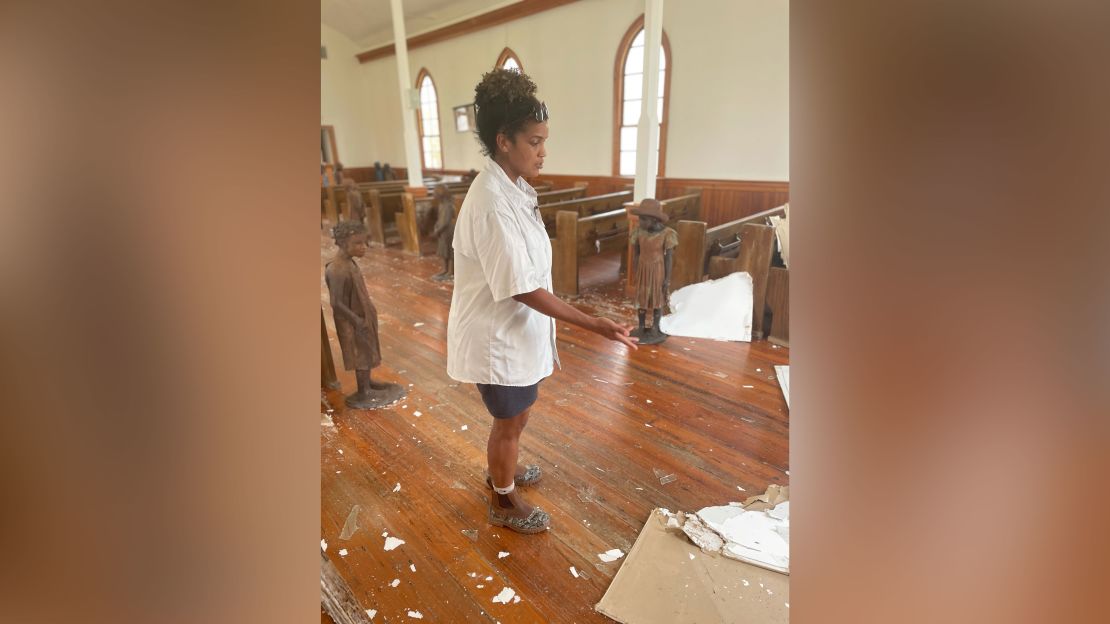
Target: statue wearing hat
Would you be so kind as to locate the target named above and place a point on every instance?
(653, 254)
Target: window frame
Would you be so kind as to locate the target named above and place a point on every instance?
(618, 96)
(505, 55)
(420, 76)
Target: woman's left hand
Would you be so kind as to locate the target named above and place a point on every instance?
(615, 331)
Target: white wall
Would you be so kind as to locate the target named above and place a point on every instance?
(729, 115)
(345, 101)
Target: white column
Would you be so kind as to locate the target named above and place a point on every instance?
(647, 141)
(410, 99)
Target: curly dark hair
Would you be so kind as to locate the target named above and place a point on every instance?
(504, 101)
(346, 229)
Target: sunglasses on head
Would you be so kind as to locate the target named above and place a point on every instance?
(541, 112)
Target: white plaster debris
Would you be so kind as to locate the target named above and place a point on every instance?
(342, 552)
(718, 309)
(648, 425)
(412, 566)
(611, 555)
(741, 489)
(395, 582)
(417, 414)
(504, 596)
(397, 488)
(573, 572)
(417, 324)
(404, 407)
(371, 613)
(479, 586)
(749, 386)
(516, 599)
(759, 370)
(416, 614)
(463, 428)
(502, 555)
(489, 578)
(691, 556)
(340, 451)
(324, 545)
(648, 400)
(385, 533)
(746, 583)
(758, 537)
(393, 542)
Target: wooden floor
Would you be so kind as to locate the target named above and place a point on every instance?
(603, 429)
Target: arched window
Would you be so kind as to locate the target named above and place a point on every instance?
(427, 122)
(509, 60)
(628, 84)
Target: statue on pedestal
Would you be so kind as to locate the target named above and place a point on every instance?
(356, 318)
(653, 255)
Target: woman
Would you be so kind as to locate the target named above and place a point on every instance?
(501, 328)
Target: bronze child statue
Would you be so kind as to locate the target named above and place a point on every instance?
(653, 255)
(445, 231)
(356, 318)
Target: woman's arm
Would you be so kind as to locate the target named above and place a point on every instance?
(542, 301)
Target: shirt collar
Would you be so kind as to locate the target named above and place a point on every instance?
(520, 193)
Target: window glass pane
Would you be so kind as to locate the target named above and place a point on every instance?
(662, 58)
(662, 83)
(639, 40)
(628, 163)
(633, 86)
(433, 142)
(426, 144)
(628, 138)
(510, 63)
(634, 64)
(631, 113)
(659, 110)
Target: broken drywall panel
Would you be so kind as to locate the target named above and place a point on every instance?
(663, 580)
(719, 309)
(783, 373)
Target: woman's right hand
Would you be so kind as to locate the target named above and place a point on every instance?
(615, 331)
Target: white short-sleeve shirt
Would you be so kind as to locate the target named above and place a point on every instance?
(501, 250)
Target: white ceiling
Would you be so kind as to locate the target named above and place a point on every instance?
(369, 24)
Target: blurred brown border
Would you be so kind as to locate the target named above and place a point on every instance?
(161, 248)
(950, 352)
(950, 414)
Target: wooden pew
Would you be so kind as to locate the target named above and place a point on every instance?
(754, 257)
(778, 299)
(580, 237)
(584, 207)
(550, 197)
(328, 378)
(697, 243)
(328, 211)
(383, 210)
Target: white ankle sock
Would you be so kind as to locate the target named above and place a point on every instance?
(505, 490)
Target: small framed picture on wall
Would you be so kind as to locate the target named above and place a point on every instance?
(464, 118)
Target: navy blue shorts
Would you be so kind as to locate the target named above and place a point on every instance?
(508, 401)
